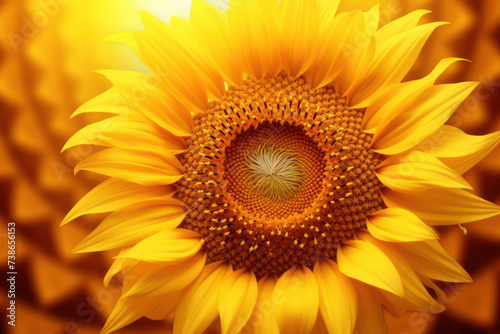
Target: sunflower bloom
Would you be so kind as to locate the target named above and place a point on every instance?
(274, 172)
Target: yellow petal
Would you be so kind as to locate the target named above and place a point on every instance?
(363, 261)
(146, 168)
(338, 302)
(359, 62)
(237, 297)
(299, 34)
(127, 38)
(119, 265)
(184, 27)
(397, 98)
(175, 46)
(326, 12)
(457, 149)
(168, 246)
(394, 58)
(262, 320)
(144, 93)
(125, 312)
(441, 206)
(372, 20)
(336, 42)
(428, 258)
(112, 195)
(166, 279)
(370, 315)
(398, 225)
(430, 110)
(255, 36)
(198, 307)
(416, 298)
(128, 310)
(296, 301)
(413, 301)
(138, 272)
(211, 29)
(127, 133)
(358, 54)
(165, 60)
(417, 171)
(400, 25)
(166, 307)
(111, 101)
(128, 226)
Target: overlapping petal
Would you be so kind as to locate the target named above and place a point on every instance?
(363, 261)
(400, 25)
(128, 310)
(186, 51)
(168, 247)
(417, 171)
(128, 226)
(338, 39)
(127, 133)
(393, 59)
(326, 12)
(338, 301)
(394, 99)
(262, 320)
(151, 96)
(457, 149)
(198, 307)
(442, 206)
(298, 25)
(416, 298)
(165, 279)
(146, 168)
(112, 195)
(423, 115)
(237, 298)
(398, 225)
(111, 101)
(211, 30)
(370, 314)
(296, 301)
(120, 265)
(429, 258)
(255, 36)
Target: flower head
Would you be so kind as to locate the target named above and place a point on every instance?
(275, 171)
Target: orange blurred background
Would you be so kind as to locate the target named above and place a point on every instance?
(48, 49)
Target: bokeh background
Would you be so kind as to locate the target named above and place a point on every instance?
(48, 50)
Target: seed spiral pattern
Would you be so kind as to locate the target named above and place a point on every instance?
(306, 170)
(329, 190)
(275, 174)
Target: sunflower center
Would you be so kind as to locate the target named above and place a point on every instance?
(273, 171)
(278, 174)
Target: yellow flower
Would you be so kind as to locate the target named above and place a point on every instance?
(275, 172)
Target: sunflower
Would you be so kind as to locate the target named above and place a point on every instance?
(275, 172)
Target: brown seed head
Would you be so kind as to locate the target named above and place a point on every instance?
(278, 174)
